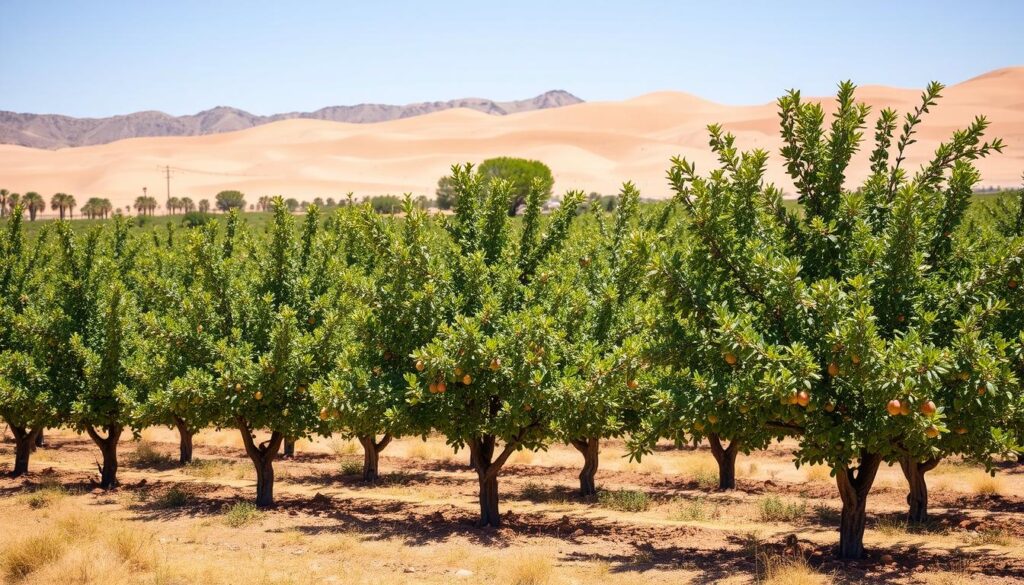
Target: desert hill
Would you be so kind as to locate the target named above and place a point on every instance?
(592, 146)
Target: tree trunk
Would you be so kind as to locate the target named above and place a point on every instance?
(726, 458)
(854, 485)
(108, 448)
(262, 456)
(185, 435)
(371, 455)
(289, 447)
(917, 497)
(590, 448)
(24, 444)
(487, 467)
(40, 442)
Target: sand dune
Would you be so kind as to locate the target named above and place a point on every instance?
(591, 146)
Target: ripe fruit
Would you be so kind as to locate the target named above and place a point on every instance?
(712, 419)
(829, 407)
(904, 409)
(928, 408)
(420, 366)
(730, 358)
(893, 407)
(931, 432)
(981, 390)
(961, 431)
(199, 328)
(793, 399)
(833, 369)
(301, 389)
(699, 426)
(238, 387)
(803, 398)
(527, 408)
(324, 414)
(441, 387)
(259, 395)
(458, 371)
(495, 365)
(467, 380)
(855, 359)
(311, 321)
(632, 384)
(1012, 284)
(432, 388)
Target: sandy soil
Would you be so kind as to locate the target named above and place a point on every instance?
(592, 146)
(416, 524)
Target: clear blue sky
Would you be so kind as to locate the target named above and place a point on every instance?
(101, 58)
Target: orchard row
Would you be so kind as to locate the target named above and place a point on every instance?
(878, 323)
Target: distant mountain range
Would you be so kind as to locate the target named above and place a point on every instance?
(56, 131)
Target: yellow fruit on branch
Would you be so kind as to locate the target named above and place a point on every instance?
(238, 387)
(258, 395)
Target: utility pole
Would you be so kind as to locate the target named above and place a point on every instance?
(167, 174)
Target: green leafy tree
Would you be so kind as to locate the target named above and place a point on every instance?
(594, 290)
(504, 347)
(204, 206)
(1007, 213)
(278, 332)
(62, 202)
(397, 307)
(444, 195)
(26, 401)
(228, 200)
(833, 319)
(523, 175)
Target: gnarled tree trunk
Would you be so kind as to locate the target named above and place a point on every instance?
(262, 457)
(917, 497)
(185, 435)
(24, 444)
(487, 467)
(108, 448)
(726, 458)
(590, 448)
(854, 485)
(40, 442)
(371, 455)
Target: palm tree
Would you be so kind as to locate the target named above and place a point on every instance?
(62, 202)
(106, 207)
(204, 205)
(34, 203)
(3, 201)
(173, 205)
(187, 205)
(140, 205)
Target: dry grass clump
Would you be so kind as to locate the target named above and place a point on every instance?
(987, 485)
(775, 509)
(147, 455)
(991, 536)
(624, 500)
(220, 468)
(242, 514)
(790, 571)
(45, 495)
(529, 569)
(80, 547)
(695, 510)
(817, 473)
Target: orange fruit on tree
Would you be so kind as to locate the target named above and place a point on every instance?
(1013, 283)
(432, 388)
(855, 359)
(495, 364)
(893, 407)
(931, 432)
(238, 387)
(712, 419)
(803, 398)
(982, 390)
(829, 407)
(632, 384)
(833, 369)
(961, 431)
(420, 366)
(928, 408)
(467, 380)
(441, 387)
(324, 413)
(259, 395)
(730, 358)
(904, 408)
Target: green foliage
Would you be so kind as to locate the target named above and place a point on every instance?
(196, 219)
(242, 514)
(522, 174)
(624, 500)
(775, 509)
